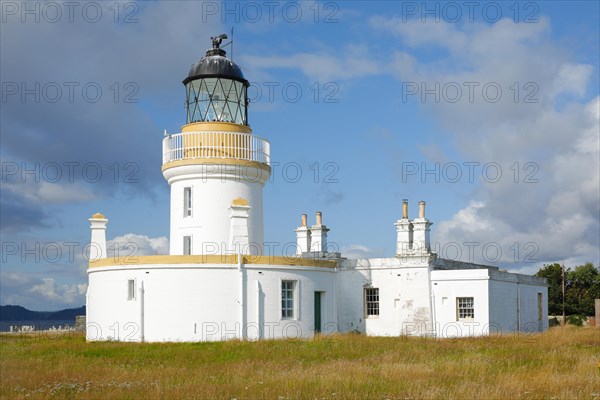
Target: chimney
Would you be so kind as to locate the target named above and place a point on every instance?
(302, 237)
(239, 236)
(421, 230)
(404, 232)
(98, 242)
(318, 235)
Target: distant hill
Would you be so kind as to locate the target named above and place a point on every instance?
(18, 313)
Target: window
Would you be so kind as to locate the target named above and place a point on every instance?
(216, 99)
(131, 289)
(465, 308)
(187, 202)
(287, 298)
(540, 307)
(187, 245)
(371, 302)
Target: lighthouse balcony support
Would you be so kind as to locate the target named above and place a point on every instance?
(225, 145)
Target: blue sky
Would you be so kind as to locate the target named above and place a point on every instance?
(499, 102)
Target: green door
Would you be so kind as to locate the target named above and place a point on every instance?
(317, 312)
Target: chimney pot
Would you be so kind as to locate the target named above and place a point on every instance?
(405, 208)
(303, 219)
(319, 218)
(421, 209)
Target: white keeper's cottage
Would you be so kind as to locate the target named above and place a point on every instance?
(217, 283)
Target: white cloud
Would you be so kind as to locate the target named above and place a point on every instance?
(321, 66)
(543, 125)
(416, 33)
(15, 279)
(51, 193)
(132, 244)
(556, 134)
(433, 152)
(355, 251)
(572, 78)
(63, 294)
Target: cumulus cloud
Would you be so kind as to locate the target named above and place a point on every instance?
(132, 244)
(322, 67)
(506, 94)
(50, 193)
(542, 131)
(415, 33)
(60, 294)
(39, 293)
(355, 251)
(15, 279)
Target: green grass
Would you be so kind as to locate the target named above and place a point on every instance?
(561, 363)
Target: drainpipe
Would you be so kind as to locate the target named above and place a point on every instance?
(142, 339)
(518, 308)
(87, 307)
(433, 313)
(258, 309)
(242, 297)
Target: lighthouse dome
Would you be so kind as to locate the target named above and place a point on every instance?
(216, 65)
(213, 66)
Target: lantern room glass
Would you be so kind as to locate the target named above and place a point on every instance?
(216, 99)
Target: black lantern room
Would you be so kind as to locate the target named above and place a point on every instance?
(216, 90)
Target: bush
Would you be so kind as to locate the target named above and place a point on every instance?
(576, 320)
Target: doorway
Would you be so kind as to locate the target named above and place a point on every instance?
(318, 301)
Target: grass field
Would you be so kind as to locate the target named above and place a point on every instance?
(561, 363)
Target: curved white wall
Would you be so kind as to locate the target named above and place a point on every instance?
(214, 187)
(205, 302)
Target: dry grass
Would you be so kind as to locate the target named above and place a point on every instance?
(561, 363)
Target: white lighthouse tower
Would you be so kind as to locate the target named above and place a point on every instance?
(216, 167)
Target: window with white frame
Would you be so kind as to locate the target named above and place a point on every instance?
(187, 245)
(187, 202)
(288, 289)
(131, 289)
(371, 302)
(465, 308)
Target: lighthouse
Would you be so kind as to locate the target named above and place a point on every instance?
(216, 167)
(217, 283)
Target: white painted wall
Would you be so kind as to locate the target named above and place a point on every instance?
(404, 305)
(514, 302)
(214, 187)
(205, 302)
(447, 285)
(529, 318)
(503, 305)
(504, 302)
(264, 306)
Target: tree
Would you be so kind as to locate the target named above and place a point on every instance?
(583, 288)
(553, 272)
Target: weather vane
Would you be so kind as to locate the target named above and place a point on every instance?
(217, 40)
